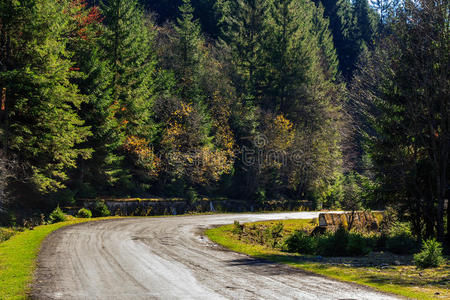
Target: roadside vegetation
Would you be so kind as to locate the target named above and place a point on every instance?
(382, 259)
(18, 255)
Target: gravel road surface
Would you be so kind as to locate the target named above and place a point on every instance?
(168, 258)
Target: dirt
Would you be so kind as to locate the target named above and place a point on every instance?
(169, 258)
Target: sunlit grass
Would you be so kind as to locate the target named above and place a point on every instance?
(406, 281)
(18, 258)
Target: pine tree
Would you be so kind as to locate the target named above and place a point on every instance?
(243, 31)
(345, 33)
(127, 45)
(97, 174)
(189, 53)
(128, 48)
(367, 21)
(41, 127)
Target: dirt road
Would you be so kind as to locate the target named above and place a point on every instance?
(168, 258)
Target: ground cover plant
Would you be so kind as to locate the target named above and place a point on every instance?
(351, 256)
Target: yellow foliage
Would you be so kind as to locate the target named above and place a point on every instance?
(145, 157)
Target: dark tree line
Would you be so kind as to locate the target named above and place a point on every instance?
(402, 94)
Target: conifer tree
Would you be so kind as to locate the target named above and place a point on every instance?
(128, 48)
(97, 174)
(127, 45)
(188, 53)
(243, 29)
(345, 32)
(41, 126)
(367, 21)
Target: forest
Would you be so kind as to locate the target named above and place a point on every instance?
(342, 103)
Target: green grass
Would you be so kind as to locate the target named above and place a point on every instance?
(18, 258)
(406, 281)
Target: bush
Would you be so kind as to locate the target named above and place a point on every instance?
(325, 245)
(338, 242)
(57, 216)
(300, 242)
(237, 228)
(276, 230)
(63, 197)
(430, 256)
(400, 239)
(358, 245)
(401, 244)
(84, 213)
(344, 243)
(6, 234)
(192, 196)
(99, 209)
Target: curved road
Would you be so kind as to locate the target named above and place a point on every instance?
(168, 258)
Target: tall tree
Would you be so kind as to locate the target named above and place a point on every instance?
(343, 25)
(367, 20)
(127, 44)
(404, 90)
(188, 53)
(102, 170)
(243, 29)
(40, 124)
(128, 48)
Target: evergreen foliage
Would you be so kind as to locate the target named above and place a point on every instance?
(40, 124)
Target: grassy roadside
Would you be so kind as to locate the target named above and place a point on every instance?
(406, 281)
(18, 258)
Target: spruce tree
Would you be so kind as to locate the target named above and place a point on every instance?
(367, 22)
(41, 125)
(96, 175)
(283, 65)
(127, 45)
(243, 30)
(188, 53)
(345, 33)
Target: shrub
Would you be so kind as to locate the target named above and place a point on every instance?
(339, 241)
(84, 213)
(325, 245)
(358, 245)
(430, 256)
(401, 244)
(99, 209)
(57, 216)
(400, 228)
(300, 242)
(192, 196)
(276, 230)
(63, 197)
(6, 234)
(237, 228)
(400, 239)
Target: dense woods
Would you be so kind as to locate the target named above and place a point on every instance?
(342, 103)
